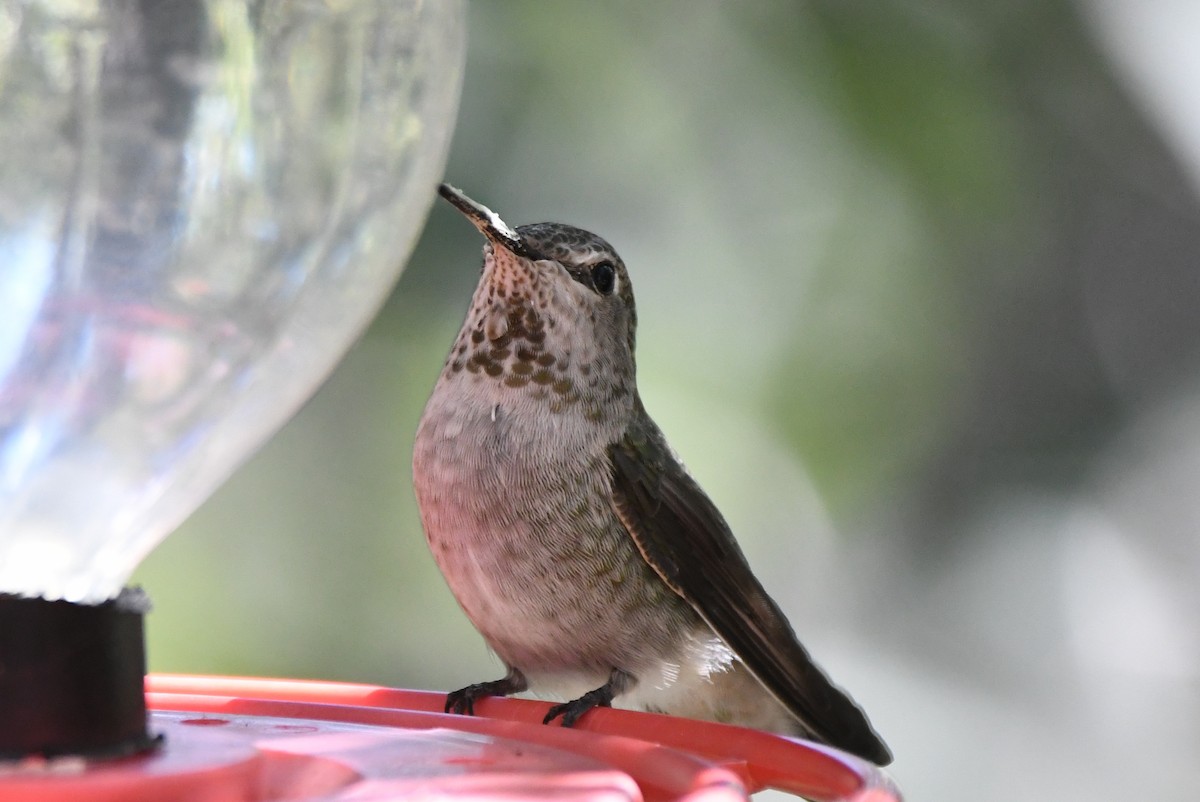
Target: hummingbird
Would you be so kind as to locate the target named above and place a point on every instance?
(578, 545)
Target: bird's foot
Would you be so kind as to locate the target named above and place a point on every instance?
(573, 710)
(463, 700)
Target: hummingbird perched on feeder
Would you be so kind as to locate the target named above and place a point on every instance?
(574, 539)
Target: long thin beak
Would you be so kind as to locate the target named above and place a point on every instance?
(488, 222)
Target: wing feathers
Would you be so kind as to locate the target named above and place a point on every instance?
(683, 536)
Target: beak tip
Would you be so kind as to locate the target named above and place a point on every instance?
(483, 218)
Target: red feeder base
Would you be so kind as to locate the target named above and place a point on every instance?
(257, 740)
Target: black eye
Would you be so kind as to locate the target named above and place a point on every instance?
(604, 277)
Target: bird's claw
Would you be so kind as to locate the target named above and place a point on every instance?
(463, 700)
(573, 710)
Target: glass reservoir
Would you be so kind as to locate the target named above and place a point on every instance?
(202, 203)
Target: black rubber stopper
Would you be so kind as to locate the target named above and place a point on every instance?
(71, 677)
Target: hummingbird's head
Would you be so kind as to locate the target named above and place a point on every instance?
(553, 312)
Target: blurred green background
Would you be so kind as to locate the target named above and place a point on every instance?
(919, 287)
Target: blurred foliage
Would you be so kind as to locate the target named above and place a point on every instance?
(914, 278)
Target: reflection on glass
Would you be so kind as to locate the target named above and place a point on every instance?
(201, 205)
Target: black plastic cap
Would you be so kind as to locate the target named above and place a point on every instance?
(72, 677)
